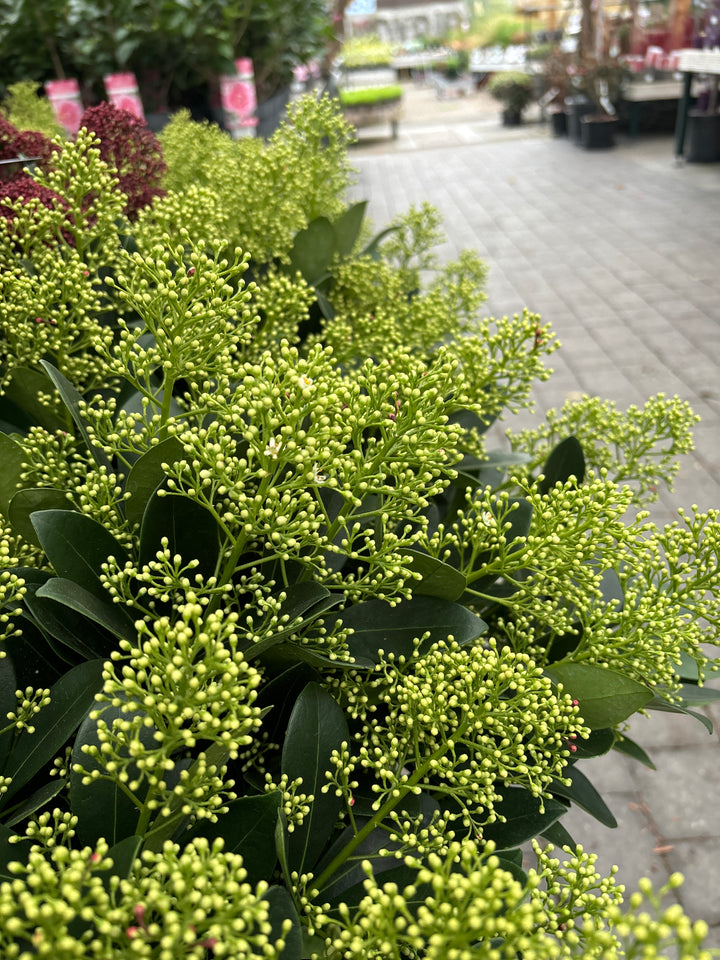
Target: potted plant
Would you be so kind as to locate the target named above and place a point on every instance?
(514, 89)
(601, 81)
(369, 92)
(703, 133)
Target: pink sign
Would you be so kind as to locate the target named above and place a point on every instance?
(237, 95)
(64, 95)
(122, 91)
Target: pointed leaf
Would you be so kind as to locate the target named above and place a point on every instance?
(282, 909)
(111, 616)
(438, 579)
(190, 529)
(657, 703)
(566, 460)
(347, 228)
(523, 818)
(693, 695)
(584, 794)
(558, 836)
(631, 749)
(373, 248)
(317, 727)
(313, 249)
(147, 474)
(378, 626)
(23, 391)
(35, 802)
(247, 828)
(34, 659)
(71, 398)
(68, 630)
(77, 546)
(26, 502)
(606, 698)
(71, 698)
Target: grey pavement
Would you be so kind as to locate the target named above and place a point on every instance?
(620, 252)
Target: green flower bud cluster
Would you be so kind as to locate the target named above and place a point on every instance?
(465, 905)
(464, 721)
(29, 703)
(185, 685)
(639, 447)
(193, 903)
(263, 194)
(305, 463)
(195, 318)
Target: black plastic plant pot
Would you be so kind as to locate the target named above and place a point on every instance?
(575, 108)
(558, 122)
(703, 137)
(511, 118)
(597, 132)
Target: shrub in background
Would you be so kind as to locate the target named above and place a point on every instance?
(293, 664)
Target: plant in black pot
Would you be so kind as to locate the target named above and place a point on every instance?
(601, 81)
(555, 89)
(514, 90)
(703, 143)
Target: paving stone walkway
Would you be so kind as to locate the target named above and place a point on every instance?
(620, 251)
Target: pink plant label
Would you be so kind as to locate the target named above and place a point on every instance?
(64, 96)
(237, 95)
(122, 91)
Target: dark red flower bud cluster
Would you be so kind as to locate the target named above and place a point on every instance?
(127, 144)
(28, 143)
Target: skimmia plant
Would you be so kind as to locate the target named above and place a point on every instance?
(293, 664)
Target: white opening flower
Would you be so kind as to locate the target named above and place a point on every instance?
(304, 382)
(273, 448)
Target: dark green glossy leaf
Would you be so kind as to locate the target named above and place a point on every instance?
(657, 703)
(190, 529)
(71, 698)
(8, 686)
(123, 856)
(513, 868)
(26, 502)
(606, 698)
(347, 228)
(23, 390)
(317, 727)
(247, 828)
(103, 809)
(687, 669)
(520, 519)
(68, 630)
(582, 793)
(282, 839)
(566, 460)
(304, 602)
(12, 458)
(281, 910)
(558, 836)
(631, 749)
(693, 695)
(598, 743)
(523, 818)
(147, 474)
(77, 546)
(71, 398)
(33, 657)
(378, 626)
(438, 579)
(38, 800)
(111, 616)
(611, 589)
(313, 249)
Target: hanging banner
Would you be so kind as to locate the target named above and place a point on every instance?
(64, 96)
(122, 91)
(237, 95)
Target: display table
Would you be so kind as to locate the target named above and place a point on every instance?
(692, 62)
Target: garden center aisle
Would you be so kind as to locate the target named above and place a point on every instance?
(619, 251)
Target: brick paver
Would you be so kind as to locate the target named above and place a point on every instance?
(620, 251)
